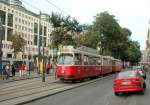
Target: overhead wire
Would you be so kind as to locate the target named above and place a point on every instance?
(31, 5)
(57, 7)
(49, 2)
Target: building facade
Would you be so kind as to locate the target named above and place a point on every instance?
(17, 20)
(145, 59)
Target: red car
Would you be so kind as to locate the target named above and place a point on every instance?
(129, 81)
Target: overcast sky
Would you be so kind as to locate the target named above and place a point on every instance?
(132, 14)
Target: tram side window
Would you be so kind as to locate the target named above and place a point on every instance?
(92, 61)
(113, 63)
(78, 59)
(105, 62)
(98, 61)
(86, 60)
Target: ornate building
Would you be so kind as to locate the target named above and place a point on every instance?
(148, 38)
(146, 53)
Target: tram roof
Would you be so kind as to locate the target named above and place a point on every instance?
(81, 49)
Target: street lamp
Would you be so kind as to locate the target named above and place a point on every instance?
(1, 53)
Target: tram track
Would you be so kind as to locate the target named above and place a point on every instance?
(23, 88)
(14, 84)
(26, 92)
(36, 92)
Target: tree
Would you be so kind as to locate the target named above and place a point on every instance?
(65, 29)
(134, 52)
(18, 42)
(108, 32)
(87, 38)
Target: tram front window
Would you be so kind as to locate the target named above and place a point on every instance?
(65, 59)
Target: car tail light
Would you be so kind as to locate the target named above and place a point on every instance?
(137, 80)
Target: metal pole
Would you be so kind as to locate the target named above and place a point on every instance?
(39, 40)
(1, 53)
(39, 50)
(43, 76)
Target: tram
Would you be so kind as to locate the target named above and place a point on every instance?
(82, 62)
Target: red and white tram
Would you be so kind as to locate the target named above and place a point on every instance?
(82, 62)
(116, 65)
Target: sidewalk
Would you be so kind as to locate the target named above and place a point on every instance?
(12, 90)
(24, 77)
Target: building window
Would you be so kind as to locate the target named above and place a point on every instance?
(35, 28)
(2, 16)
(41, 29)
(35, 39)
(9, 31)
(10, 20)
(3, 33)
(45, 31)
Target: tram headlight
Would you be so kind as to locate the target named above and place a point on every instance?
(63, 71)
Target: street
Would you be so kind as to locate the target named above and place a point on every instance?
(97, 93)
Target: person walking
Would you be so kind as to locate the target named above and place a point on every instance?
(48, 67)
(31, 71)
(41, 67)
(4, 73)
(13, 71)
(22, 70)
(35, 67)
(7, 71)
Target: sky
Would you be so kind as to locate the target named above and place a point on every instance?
(132, 14)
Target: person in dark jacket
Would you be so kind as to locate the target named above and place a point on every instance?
(4, 73)
(13, 70)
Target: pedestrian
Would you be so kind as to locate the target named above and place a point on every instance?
(41, 67)
(7, 70)
(35, 67)
(31, 70)
(13, 71)
(48, 67)
(10, 70)
(22, 70)
(4, 73)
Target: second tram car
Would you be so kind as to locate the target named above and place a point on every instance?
(82, 62)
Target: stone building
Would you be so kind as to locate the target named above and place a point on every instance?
(17, 20)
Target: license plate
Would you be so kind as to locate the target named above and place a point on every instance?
(126, 83)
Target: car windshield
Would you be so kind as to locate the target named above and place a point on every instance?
(126, 74)
(65, 59)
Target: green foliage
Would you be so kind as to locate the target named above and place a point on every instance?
(105, 33)
(17, 42)
(64, 30)
(108, 32)
(134, 53)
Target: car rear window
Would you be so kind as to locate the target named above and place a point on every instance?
(126, 74)
(137, 67)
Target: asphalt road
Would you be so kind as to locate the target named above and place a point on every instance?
(98, 93)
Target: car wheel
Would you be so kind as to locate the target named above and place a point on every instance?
(144, 86)
(116, 93)
(144, 77)
(142, 92)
